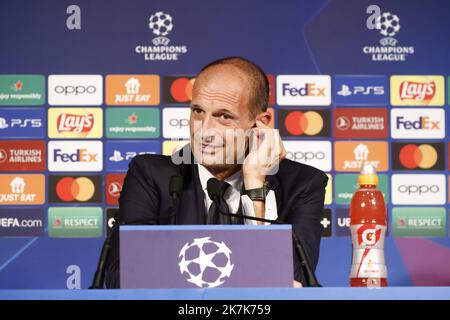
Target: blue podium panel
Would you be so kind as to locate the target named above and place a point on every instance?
(337, 293)
(157, 257)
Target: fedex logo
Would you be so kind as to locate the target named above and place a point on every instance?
(75, 155)
(310, 89)
(300, 90)
(422, 123)
(81, 155)
(417, 123)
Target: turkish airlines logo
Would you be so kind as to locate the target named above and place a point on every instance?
(114, 184)
(22, 155)
(304, 123)
(361, 123)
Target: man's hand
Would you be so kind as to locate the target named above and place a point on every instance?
(297, 284)
(265, 154)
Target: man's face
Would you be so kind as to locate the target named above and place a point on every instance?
(220, 116)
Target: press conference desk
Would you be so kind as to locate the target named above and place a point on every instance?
(338, 293)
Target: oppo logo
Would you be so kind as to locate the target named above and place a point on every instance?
(179, 123)
(76, 90)
(305, 156)
(418, 189)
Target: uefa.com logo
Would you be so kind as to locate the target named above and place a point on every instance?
(388, 24)
(161, 25)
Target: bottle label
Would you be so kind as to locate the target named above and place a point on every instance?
(368, 235)
(368, 251)
(374, 256)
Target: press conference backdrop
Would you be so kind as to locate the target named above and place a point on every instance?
(87, 85)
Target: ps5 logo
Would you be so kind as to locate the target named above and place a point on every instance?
(21, 123)
(361, 90)
(118, 157)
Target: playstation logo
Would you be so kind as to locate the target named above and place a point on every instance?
(345, 91)
(116, 157)
(3, 123)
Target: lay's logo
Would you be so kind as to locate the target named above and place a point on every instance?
(417, 91)
(75, 123)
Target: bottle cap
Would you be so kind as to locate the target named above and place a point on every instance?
(368, 175)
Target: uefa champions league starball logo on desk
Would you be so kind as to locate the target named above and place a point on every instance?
(205, 263)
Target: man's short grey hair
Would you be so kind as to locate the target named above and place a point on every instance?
(259, 95)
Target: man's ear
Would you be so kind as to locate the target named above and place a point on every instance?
(264, 117)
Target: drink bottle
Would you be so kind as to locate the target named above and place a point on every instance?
(368, 230)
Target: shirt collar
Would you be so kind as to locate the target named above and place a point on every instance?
(235, 180)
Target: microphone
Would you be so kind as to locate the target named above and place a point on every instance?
(175, 190)
(213, 186)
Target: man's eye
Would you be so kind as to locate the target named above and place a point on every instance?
(197, 111)
(226, 117)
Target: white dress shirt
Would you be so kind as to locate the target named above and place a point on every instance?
(233, 195)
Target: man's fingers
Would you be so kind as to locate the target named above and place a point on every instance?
(261, 124)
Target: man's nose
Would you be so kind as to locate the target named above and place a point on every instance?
(207, 123)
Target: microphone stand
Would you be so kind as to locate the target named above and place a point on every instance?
(310, 276)
(99, 276)
(175, 189)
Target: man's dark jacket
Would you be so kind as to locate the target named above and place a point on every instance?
(299, 192)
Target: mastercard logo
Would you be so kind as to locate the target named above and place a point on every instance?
(75, 189)
(304, 123)
(422, 156)
(181, 89)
